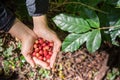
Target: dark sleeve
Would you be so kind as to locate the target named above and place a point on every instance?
(37, 7)
(6, 19)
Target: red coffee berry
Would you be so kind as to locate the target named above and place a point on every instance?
(37, 55)
(34, 54)
(41, 41)
(51, 44)
(44, 44)
(42, 49)
(35, 46)
(36, 49)
(48, 56)
(40, 58)
(50, 53)
(40, 52)
(46, 48)
(45, 53)
(36, 41)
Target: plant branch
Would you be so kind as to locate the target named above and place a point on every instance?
(110, 27)
(90, 7)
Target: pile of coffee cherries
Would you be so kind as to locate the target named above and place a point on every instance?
(43, 49)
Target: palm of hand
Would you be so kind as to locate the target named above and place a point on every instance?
(51, 36)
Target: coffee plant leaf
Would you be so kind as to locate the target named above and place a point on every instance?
(92, 18)
(88, 2)
(113, 16)
(73, 41)
(114, 22)
(89, 15)
(60, 1)
(115, 32)
(116, 3)
(91, 2)
(71, 23)
(94, 40)
(73, 8)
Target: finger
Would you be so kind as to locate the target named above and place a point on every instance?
(41, 63)
(52, 59)
(56, 49)
(57, 45)
(29, 59)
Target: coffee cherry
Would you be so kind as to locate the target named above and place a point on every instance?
(42, 49)
(40, 52)
(36, 42)
(36, 49)
(41, 41)
(50, 53)
(46, 48)
(34, 54)
(37, 55)
(45, 53)
(51, 44)
(40, 58)
(48, 56)
(35, 46)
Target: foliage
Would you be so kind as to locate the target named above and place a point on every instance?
(83, 18)
(44, 73)
(113, 74)
(89, 22)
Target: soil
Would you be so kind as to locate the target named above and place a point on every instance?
(78, 65)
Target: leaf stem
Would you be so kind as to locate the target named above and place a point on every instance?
(103, 28)
(90, 7)
(110, 27)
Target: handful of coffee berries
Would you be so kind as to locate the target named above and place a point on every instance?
(43, 50)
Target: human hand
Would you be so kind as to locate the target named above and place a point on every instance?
(27, 48)
(42, 30)
(27, 37)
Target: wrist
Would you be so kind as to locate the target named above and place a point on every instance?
(21, 31)
(40, 21)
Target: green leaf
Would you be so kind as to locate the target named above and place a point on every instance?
(91, 2)
(41, 71)
(19, 45)
(114, 2)
(88, 15)
(114, 16)
(94, 41)
(114, 32)
(73, 8)
(114, 21)
(71, 24)
(22, 59)
(8, 51)
(73, 41)
(60, 1)
(92, 18)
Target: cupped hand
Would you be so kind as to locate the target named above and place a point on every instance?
(42, 30)
(27, 47)
(27, 50)
(27, 37)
